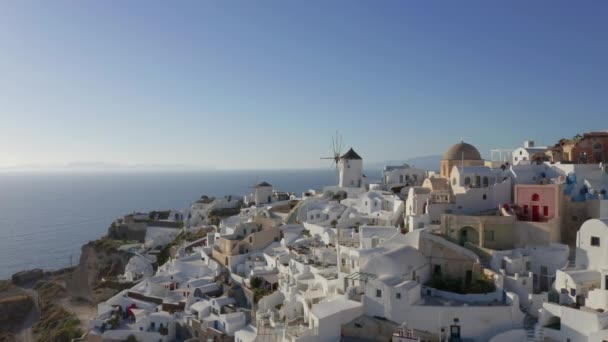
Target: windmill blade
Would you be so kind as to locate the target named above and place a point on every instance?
(333, 145)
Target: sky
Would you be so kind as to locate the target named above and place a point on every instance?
(266, 84)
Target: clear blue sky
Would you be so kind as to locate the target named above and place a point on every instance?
(265, 84)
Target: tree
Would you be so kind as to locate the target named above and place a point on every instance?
(255, 282)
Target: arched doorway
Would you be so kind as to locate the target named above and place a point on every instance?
(468, 234)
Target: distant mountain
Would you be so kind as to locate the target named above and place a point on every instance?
(422, 162)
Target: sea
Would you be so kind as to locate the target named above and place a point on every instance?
(46, 217)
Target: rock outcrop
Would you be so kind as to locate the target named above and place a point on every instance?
(100, 261)
(14, 309)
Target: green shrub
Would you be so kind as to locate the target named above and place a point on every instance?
(255, 282)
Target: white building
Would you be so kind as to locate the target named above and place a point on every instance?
(261, 195)
(578, 310)
(399, 179)
(529, 153)
(350, 170)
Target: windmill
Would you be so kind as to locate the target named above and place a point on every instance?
(336, 145)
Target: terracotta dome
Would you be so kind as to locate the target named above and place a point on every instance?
(462, 151)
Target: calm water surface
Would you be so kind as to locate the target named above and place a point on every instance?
(45, 218)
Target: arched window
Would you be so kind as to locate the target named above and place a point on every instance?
(536, 197)
(485, 181)
(467, 181)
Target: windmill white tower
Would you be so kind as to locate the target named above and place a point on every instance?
(350, 170)
(349, 166)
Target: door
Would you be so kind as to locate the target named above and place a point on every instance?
(463, 236)
(544, 279)
(580, 300)
(468, 277)
(454, 333)
(535, 213)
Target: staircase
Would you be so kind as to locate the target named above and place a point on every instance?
(265, 332)
(572, 258)
(529, 326)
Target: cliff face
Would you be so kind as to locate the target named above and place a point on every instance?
(13, 310)
(99, 260)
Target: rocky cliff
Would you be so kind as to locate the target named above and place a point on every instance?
(100, 262)
(14, 309)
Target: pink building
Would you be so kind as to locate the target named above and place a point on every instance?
(538, 203)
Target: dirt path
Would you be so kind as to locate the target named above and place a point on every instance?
(83, 310)
(27, 334)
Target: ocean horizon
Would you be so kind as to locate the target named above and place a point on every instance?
(45, 217)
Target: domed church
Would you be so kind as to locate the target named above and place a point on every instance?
(460, 154)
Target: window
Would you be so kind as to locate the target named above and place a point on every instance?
(573, 292)
(525, 209)
(420, 225)
(545, 210)
(595, 241)
(486, 181)
(343, 262)
(484, 196)
(520, 152)
(467, 181)
(398, 295)
(437, 270)
(251, 239)
(536, 197)
(528, 266)
(378, 293)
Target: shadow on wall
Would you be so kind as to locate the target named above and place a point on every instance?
(582, 258)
